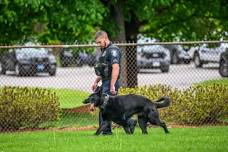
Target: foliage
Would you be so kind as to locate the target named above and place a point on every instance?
(200, 105)
(170, 19)
(27, 107)
(61, 21)
(197, 105)
(189, 20)
(52, 21)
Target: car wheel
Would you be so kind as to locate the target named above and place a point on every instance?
(79, 63)
(52, 72)
(197, 61)
(3, 70)
(165, 69)
(18, 70)
(91, 64)
(223, 68)
(187, 61)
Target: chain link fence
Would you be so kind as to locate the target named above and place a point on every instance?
(44, 86)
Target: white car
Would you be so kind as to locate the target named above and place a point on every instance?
(205, 54)
(177, 52)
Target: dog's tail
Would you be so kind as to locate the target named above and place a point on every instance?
(166, 102)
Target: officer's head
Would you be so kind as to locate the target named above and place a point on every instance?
(102, 39)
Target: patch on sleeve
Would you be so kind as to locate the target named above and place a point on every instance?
(114, 53)
(115, 61)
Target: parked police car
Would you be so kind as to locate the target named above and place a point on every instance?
(28, 61)
(153, 57)
(208, 54)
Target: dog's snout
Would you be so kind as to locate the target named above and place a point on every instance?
(86, 101)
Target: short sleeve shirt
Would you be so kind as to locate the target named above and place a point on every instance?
(114, 55)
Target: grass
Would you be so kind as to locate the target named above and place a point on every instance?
(70, 98)
(223, 81)
(72, 120)
(206, 139)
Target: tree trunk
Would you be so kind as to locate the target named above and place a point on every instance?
(127, 32)
(131, 36)
(121, 37)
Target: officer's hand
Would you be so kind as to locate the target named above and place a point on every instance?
(113, 90)
(94, 86)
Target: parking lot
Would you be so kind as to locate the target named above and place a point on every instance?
(180, 76)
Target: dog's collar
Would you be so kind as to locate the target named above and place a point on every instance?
(105, 101)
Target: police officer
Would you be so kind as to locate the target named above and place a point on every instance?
(107, 70)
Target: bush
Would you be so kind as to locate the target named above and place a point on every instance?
(197, 105)
(27, 107)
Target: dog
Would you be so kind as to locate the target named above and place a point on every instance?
(121, 108)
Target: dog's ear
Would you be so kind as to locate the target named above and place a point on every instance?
(98, 90)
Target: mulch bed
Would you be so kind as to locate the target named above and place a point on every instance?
(80, 110)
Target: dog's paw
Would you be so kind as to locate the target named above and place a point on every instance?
(95, 134)
(132, 127)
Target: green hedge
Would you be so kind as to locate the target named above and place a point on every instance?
(197, 105)
(27, 107)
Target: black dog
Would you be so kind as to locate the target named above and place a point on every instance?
(120, 109)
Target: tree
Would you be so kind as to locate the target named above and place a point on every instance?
(52, 21)
(163, 19)
(64, 21)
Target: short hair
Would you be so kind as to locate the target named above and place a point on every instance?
(101, 34)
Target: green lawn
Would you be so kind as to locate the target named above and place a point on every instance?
(70, 98)
(72, 120)
(217, 81)
(206, 139)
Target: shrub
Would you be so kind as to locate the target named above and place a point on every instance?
(200, 105)
(196, 105)
(27, 107)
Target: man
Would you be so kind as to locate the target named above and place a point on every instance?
(107, 70)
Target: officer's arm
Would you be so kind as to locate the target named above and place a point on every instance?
(98, 79)
(115, 73)
(94, 86)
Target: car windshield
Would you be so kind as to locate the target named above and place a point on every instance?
(31, 52)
